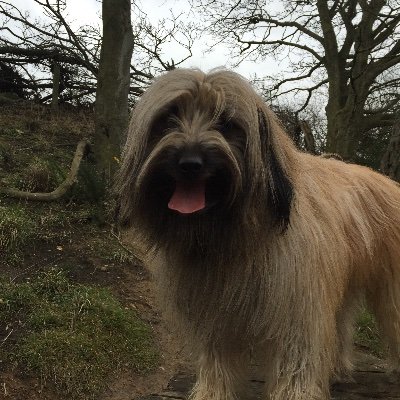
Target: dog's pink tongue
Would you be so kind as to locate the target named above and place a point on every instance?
(188, 198)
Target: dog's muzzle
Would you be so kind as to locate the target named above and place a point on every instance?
(189, 194)
(191, 180)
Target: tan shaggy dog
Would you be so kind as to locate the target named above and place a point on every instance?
(256, 244)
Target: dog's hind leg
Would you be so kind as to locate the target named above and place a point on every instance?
(345, 325)
(221, 376)
(383, 297)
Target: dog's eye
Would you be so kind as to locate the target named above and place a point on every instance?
(229, 129)
(163, 123)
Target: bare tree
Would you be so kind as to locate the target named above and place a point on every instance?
(38, 47)
(349, 48)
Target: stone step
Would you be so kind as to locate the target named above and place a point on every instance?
(370, 381)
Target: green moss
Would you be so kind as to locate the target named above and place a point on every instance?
(73, 336)
(367, 335)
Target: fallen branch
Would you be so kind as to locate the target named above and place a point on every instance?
(60, 190)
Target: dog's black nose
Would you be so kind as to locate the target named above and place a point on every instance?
(190, 163)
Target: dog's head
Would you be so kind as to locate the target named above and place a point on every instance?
(200, 149)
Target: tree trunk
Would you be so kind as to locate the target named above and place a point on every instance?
(112, 113)
(342, 138)
(344, 127)
(390, 164)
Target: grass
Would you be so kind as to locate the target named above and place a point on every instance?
(16, 230)
(69, 335)
(40, 176)
(367, 335)
(24, 225)
(111, 251)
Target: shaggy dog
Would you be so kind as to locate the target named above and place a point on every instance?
(256, 243)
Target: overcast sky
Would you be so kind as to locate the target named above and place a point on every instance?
(202, 57)
(89, 12)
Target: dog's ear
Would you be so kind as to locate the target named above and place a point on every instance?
(142, 137)
(122, 200)
(279, 187)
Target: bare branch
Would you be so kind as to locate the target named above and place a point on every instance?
(250, 43)
(298, 78)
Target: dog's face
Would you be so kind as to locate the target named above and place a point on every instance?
(194, 161)
(199, 156)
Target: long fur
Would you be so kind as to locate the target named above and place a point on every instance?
(295, 244)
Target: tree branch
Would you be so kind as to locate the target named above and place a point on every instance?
(371, 121)
(62, 189)
(249, 43)
(257, 19)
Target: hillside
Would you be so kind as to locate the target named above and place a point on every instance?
(77, 316)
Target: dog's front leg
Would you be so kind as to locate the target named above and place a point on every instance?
(220, 375)
(299, 366)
